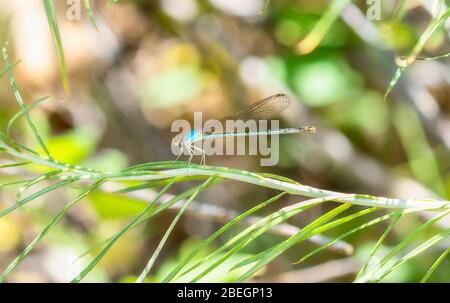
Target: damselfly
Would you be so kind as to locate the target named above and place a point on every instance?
(261, 110)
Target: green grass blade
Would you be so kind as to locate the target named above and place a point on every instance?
(90, 13)
(315, 36)
(23, 112)
(434, 24)
(53, 24)
(100, 255)
(435, 265)
(155, 255)
(252, 232)
(5, 69)
(394, 80)
(35, 181)
(19, 99)
(151, 214)
(328, 226)
(421, 157)
(373, 273)
(223, 229)
(286, 244)
(47, 229)
(378, 244)
(36, 195)
(318, 230)
(434, 57)
(15, 164)
(356, 229)
(418, 250)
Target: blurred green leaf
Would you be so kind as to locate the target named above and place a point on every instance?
(172, 87)
(421, 157)
(397, 35)
(73, 146)
(113, 206)
(325, 81)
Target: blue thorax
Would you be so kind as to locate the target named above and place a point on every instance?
(192, 135)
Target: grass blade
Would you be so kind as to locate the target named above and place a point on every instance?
(373, 273)
(152, 260)
(283, 246)
(15, 164)
(47, 229)
(23, 112)
(36, 195)
(19, 99)
(5, 70)
(90, 13)
(378, 244)
(211, 238)
(252, 232)
(53, 24)
(434, 24)
(435, 265)
(100, 255)
(315, 36)
(418, 250)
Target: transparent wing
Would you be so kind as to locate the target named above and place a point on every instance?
(262, 110)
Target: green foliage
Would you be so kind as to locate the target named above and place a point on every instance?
(63, 154)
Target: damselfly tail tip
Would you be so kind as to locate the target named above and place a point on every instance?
(310, 129)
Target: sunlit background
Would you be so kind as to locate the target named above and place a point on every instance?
(149, 63)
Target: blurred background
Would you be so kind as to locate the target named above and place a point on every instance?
(149, 63)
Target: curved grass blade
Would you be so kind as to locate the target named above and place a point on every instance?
(47, 229)
(378, 244)
(157, 210)
(15, 164)
(14, 182)
(90, 13)
(435, 265)
(257, 229)
(158, 183)
(53, 24)
(434, 57)
(418, 250)
(100, 255)
(19, 99)
(434, 24)
(205, 243)
(35, 181)
(420, 154)
(354, 230)
(319, 230)
(373, 273)
(155, 255)
(37, 194)
(315, 36)
(22, 112)
(157, 165)
(5, 70)
(286, 244)
(252, 232)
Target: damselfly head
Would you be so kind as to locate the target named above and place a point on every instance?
(177, 140)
